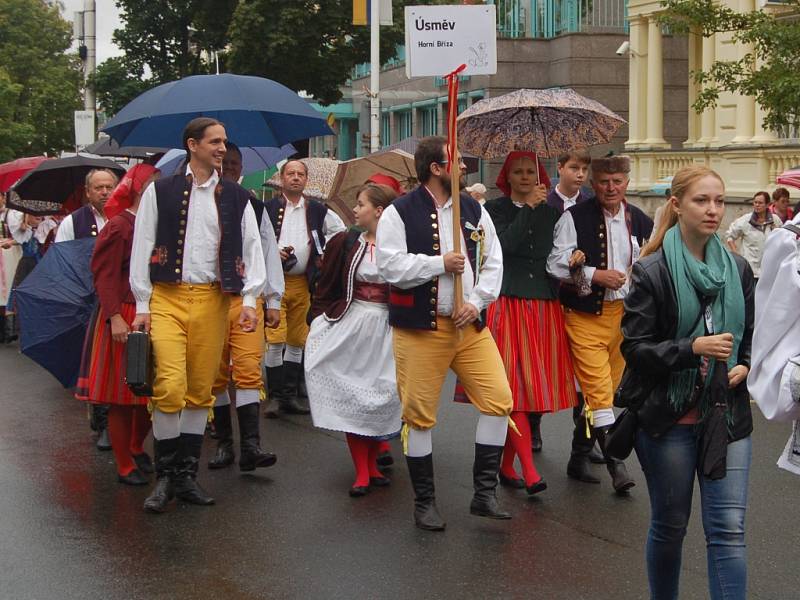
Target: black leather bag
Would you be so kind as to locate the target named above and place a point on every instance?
(139, 366)
(621, 436)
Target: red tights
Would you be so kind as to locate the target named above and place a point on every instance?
(519, 445)
(128, 426)
(364, 452)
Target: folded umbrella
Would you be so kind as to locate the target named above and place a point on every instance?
(256, 112)
(45, 189)
(54, 306)
(10, 172)
(791, 177)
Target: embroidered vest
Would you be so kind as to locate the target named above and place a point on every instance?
(172, 200)
(315, 221)
(416, 308)
(83, 223)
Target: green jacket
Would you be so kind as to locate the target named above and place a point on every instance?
(526, 236)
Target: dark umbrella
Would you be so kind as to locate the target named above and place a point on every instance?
(54, 304)
(45, 189)
(109, 147)
(255, 111)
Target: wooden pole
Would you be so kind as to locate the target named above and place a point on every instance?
(455, 176)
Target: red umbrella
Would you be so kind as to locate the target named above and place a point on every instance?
(10, 172)
(790, 177)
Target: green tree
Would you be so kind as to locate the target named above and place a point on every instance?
(40, 81)
(767, 71)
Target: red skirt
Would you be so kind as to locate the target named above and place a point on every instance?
(533, 344)
(101, 379)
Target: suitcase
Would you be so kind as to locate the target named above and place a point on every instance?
(139, 367)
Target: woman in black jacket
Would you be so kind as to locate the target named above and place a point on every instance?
(687, 332)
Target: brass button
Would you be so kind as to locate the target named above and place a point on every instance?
(181, 232)
(602, 244)
(280, 209)
(597, 312)
(530, 275)
(177, 261)
(180, 251)
(185, 202)
(434, 225)
(602, 235)
(436, 246)
(433, 324)
(94, 233)
(433, 300)
(433, 216)
(433, 313)
(182, 222)
(433, 290)
(436, 236)
(183, 212)
(177, 270)
(185, 192)
(180, 242)
(602, 255)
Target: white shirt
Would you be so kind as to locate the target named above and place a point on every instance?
(407, 270)
(15, 221)
(294, 232)
(201, 245)
(622, 250)
(66, 231)
(568, 202)
(275, 285)
(752, 238)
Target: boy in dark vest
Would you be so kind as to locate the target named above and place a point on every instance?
(414, 245)
(195, 244)
(301, 227)
(594, 246)
(85, 222)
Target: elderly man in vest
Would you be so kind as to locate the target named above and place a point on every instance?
(301, 227)
(85, 222)
(595, 244)
(196, 243)
(244, 351)
(414, 245)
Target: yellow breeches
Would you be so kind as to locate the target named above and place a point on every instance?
(594, 341)
(423, 357)
(243, 351)
(295, 305)
(188, 324)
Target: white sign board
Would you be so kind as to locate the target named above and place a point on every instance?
(84, 127)
(440, 38)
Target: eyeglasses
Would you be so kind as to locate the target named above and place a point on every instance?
(444, 162)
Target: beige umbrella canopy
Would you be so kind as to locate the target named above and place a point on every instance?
(321, 172)
(352, 174)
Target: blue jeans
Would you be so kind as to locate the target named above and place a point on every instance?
(669, 464)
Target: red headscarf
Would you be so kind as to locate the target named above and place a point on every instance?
(387, 180)
(131, 184)
(502, 179)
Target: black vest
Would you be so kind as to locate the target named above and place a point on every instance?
(416, 308)
(172, 200)
(84, 224)
(590, 225)
(315, 221)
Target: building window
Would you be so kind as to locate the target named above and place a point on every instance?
(429, 120)
(404, 125)
(386, 130)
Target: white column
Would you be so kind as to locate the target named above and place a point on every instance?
(708, 120)
(655, 85)
(635, 85)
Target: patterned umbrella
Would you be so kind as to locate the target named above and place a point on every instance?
(790, 177)
(321, 172)
(547, 122)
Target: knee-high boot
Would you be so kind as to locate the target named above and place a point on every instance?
(251, 456)
(166, 453)
(426, 515)
(186, 486)
(620, 479)
(484, 477)
(578, 465)
(224, 455)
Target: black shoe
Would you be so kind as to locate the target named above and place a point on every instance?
(135, 477)
(251, 456)
(535, 420)
(144, 463)
(224, 455)
(620, 479)
(537, 487)
(103, 441)
(426, 516)
(516, 483)
(166, 454)
(578, 466)
(358, 490)
(380, 481)
(385, 459)
(185, 484)
(276, 391)
(484, 478)
(596, 457)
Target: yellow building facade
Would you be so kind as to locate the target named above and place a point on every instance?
(729, 138)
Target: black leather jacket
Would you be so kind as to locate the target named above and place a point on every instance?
(651, 351)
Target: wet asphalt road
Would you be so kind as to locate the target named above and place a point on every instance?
(69, 530)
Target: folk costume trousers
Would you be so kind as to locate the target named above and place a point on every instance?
(595, 345)
(423, 357)
(188, 327)
(295, 305)
(243, 351)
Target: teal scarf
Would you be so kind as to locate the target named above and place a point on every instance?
(716, 278)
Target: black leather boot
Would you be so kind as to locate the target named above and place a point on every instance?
(620, 479)
(100, 418)
(484, 477)
(535, 420)
(290, 403)
(166, 453)
(224, 455)
(595, 456)
(186, 486)
(275, 389)
(251, 456)
(426, 515)
(10, 328)
(579, 466)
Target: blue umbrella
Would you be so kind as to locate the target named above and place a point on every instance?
(253, 159)
(54, 305)
(256, 112)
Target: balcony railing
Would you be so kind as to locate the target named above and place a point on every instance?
(550, 18)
